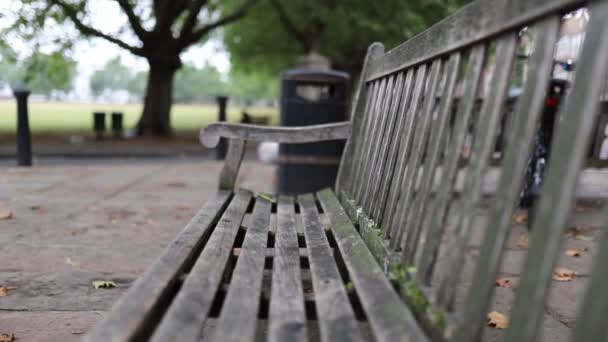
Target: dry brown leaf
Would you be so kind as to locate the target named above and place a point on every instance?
(503, 282)
(523, 241)
(579, 233)
(4, 290)
(497, 320)
(520, 218)
(6, 215)
(563, 274)
(7, 337)
(573, 253)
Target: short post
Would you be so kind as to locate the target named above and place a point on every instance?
(117, 127)
(222, 147)
(24, 138)
(99, 124)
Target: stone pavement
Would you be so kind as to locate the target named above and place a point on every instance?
(109, 220)
(72, 225)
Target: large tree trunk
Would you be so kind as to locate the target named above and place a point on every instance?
(155, 119)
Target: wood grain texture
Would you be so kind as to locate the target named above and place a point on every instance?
(389, 318)
(184, 319)
(133, 317)
(240, 308)
(232, 164)
(287, 313)
(476, 22)
(211, 135)
(336, 317)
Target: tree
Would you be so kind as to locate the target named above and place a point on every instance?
(192, 83)
(42, 73)
(339, 30)
(113, 76)
(160, 30)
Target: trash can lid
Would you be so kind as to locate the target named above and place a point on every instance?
(316, 75)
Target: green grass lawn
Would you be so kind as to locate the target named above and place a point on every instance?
(61, 118)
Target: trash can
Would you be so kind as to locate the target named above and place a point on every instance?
(311, 97)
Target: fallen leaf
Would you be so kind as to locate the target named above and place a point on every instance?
(573, 253)
(7, 337)
(183, 207)
(4, 290)
(70, 262)
(523, 241)
(563, 274)
(580, 233)
(103, 284)
(114, 221)
(497, 320)
(520, 218)
(503, 282)
(6, 215)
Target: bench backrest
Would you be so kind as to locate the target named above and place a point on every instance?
(411, 139)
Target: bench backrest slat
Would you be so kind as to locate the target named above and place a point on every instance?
(569, 150)
(425, 125)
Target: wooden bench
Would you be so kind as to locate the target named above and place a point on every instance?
(362, 261)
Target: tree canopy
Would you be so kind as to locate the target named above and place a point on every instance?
(276, 32)
(157, 30)
(43, 73)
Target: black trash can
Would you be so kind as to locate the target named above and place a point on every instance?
(310, 97)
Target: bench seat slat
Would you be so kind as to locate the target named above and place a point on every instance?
(240, 308)
(184, 320)
(390, 319)
(287, 312)
(336, 317)
(133, 316)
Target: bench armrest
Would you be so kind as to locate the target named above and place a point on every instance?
(210, 136)
(239, 133)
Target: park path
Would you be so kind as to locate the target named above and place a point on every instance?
(75, 224)
(72, 225)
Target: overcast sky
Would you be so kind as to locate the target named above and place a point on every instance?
(94, 53)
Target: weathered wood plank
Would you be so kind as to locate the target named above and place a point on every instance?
(287, 313)
(420, 143)
(184, 319)
(388, 316)
(369, 164)
(483, 145)
(392, 224)
(418, 213)
(232, 164)
(368, 139)
(240, 308)
(336, 317)
(420, 137)
(133, 317)
(357, 118)
(384, 193)
(570, 146)
(444, 194)
(527, 113)
(210, 135)
(388, 140)
(479, 21)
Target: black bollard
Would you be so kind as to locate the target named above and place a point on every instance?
(117, 127)
(24, 138)
(99, 124)
(222, 147)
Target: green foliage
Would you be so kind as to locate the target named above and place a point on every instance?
(42, 73)
(192, 83)
(113, 76)
(339, 30)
